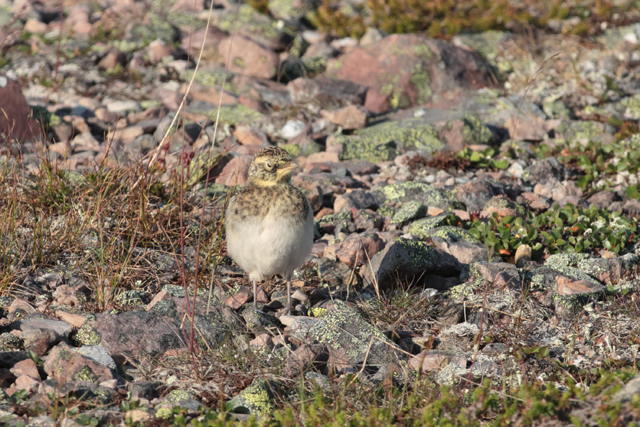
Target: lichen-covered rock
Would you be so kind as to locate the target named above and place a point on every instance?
(548, 172)
(502, 206)
(475, 194)
(182, 399)
(65, 364)
(407, 261)
(341, 220)
(383, 141)
(420, 229)
(409, 191)
(334, 273)
(158, 330)
(480, 274)
(407, 70)
(258, 398)
(618, 272)
(409, 212)
(343, 330)
(584, 131)
(459, 243)
(258, 321)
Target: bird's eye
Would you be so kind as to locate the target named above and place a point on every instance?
(268, 164)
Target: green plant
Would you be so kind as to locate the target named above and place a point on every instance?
(568, 229)
(483, 159)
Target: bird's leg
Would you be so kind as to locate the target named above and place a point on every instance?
(287, 309)
(255, 295)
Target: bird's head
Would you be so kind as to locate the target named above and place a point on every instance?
(271, 166)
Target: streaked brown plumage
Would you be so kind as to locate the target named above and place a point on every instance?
(269, 222)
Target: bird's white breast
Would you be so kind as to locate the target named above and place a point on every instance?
(271, 245)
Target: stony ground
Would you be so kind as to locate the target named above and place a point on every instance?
(476, 257)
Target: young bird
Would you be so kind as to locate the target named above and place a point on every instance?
(270, 222)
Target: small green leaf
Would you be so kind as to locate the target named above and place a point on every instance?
(501, 164)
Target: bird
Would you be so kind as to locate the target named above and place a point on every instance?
(269, 223)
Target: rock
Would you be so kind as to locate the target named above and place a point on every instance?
(158, 330)
(359, 199)
(235, 172)
(182, 399)
(239, 298)
(548, 172)
(248, 135)
(326, 93)
(475, 194)
(99, 355)
(434, 360)
(258, 398)
(293, 128)
(526, 129)
(409, 212)
(158, 50)
(408, 70)
(350, 117)
(301, 326)
(628, 392)
(113, 59)
(466, 131)
(523, 255)
(145, 389)
(65, 365)
(40, 335)
(502, 206)
(581, 131)
(407, 261)
(122, 107)
(258, 321)
(366, 219)
(15, 120)
(459, 243)
(35, 26)
(249, 57)
(348, 336)
(383, 141)
(26, 367)
(357, 249)
(305, 357)
(611, 271)
(406, 192)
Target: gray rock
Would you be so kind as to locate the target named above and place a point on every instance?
(345, 332)
(258, 398)
(98, 354)
(301, 327)
(408, 261)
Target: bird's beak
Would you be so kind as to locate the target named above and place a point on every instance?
(288, 168)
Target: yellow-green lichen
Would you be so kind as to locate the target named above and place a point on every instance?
(423, 51)
(164, 413)
(399, 191)
(86, 374)
(475, 131)
(420, 229)
(317, 312)
(584, 130)
(633, 106)
(88, 335)
(257, 398)
(409, 211)
(422, 82)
